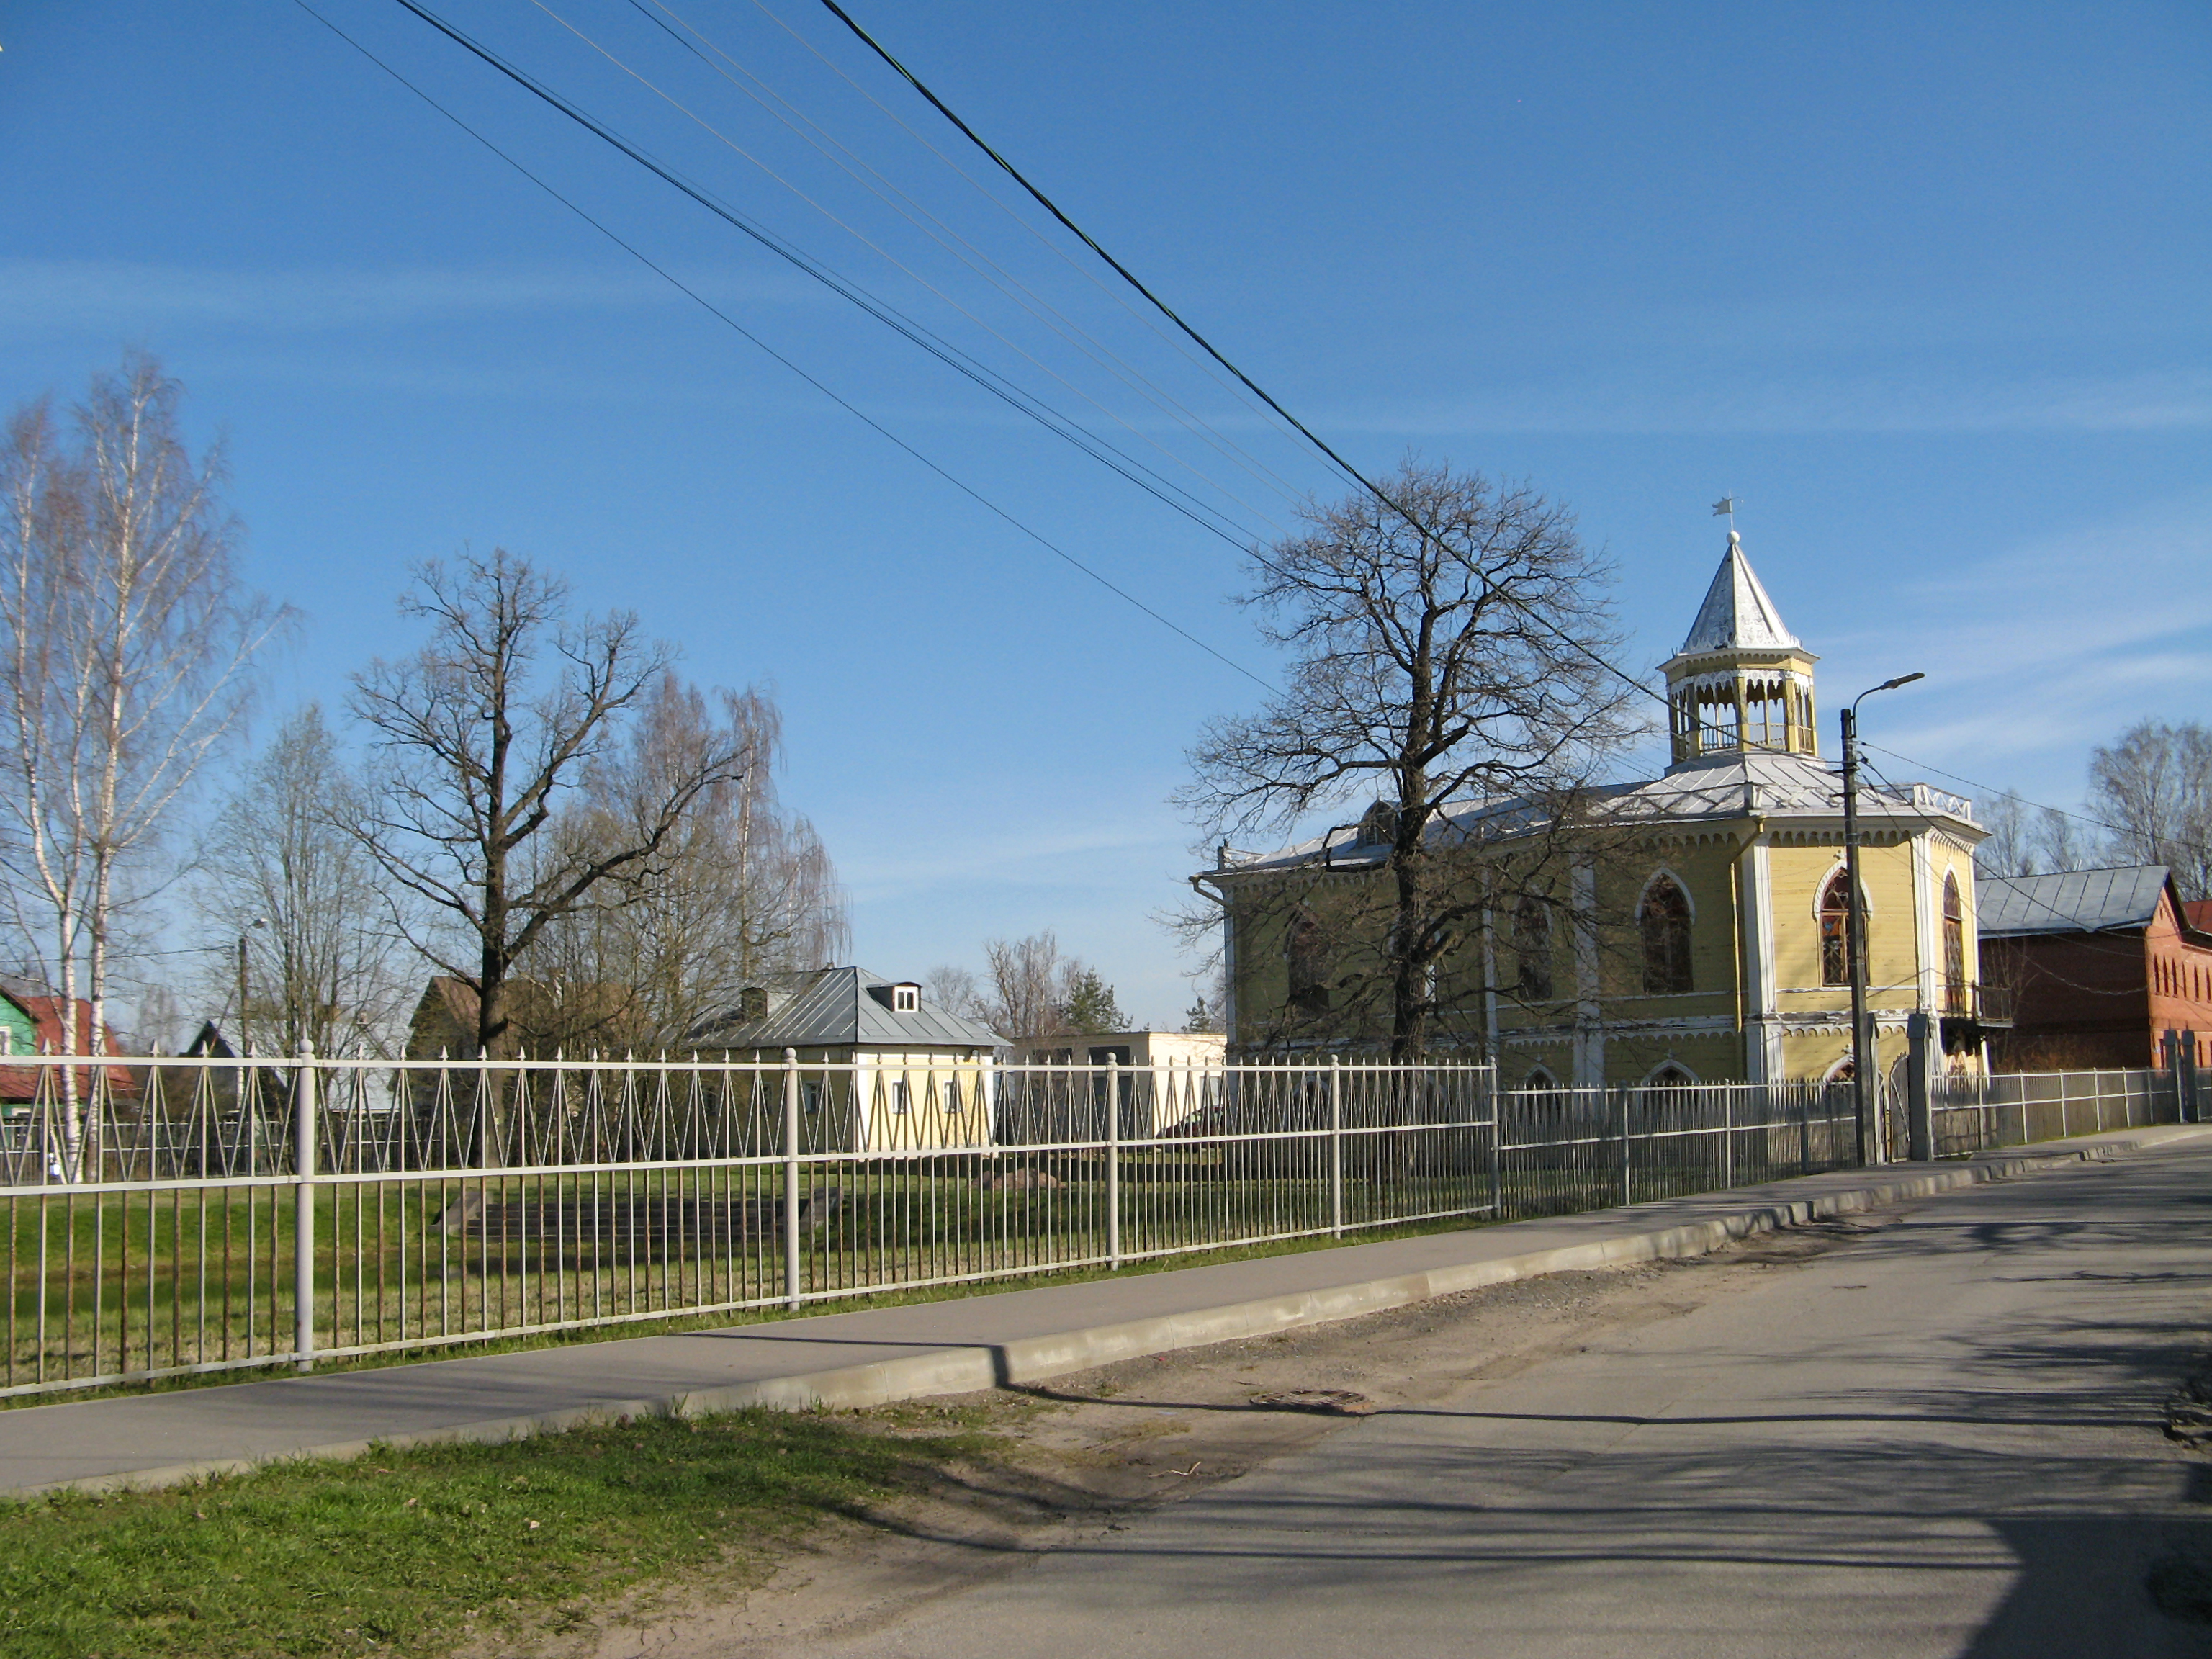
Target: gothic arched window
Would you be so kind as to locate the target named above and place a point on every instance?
(1532, 950)
(1954, 946)
(1836, 930)
(1663, 919)
(1306, 952)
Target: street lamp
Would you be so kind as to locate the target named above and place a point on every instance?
(1855, 932)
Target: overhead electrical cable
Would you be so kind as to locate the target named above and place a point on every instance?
(1353, 473)
(840, 155)
(1060, 425)
(900, 265)
(1991, 790)
(858, 414)
(1252, 385)
(1119, 269)
(1143, 316)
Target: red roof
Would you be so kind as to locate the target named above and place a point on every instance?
(20, 1083)
(2198, 913)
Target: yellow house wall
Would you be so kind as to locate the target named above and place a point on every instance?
(1904, 882)
(929, 1121)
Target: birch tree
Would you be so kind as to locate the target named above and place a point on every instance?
(128, 641)
(279, 872)
(2153, 786)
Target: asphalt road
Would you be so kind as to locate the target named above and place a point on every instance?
(1941, 1440)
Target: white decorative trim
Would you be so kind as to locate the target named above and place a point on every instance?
(1668, 1064)
(1664, 873)
(1821, 887)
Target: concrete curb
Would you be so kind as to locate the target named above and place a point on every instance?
(1040, 1358)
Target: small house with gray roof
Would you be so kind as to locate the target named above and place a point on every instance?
(881, 1069)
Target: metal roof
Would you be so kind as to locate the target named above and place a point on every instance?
(1737, 615)
(838, 1007)
(1728, 785)
(2070, 900)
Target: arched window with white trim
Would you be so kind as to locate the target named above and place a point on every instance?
(1954, 946)
(1532, 950)
(1306, 955)
(1663, 920)
(1835, 914)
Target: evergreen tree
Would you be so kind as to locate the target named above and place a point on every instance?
(1090, 1006)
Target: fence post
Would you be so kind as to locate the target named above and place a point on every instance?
(791, 1179)
(1727, 1136)
(1919, 1085)
(1336, 1146)
(307, 1132)
(1627, 1162)
(1113, 1161)
(1487, 1083)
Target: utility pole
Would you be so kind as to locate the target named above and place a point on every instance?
(258, 921)
(1869, 1146)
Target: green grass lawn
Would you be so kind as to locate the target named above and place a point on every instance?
(412, 1552)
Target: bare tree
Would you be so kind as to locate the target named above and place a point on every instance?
(280, 876)
(1030, 984)
(1444, 654)
(482, 737)
(2024, 840)
(742, 893)
(2153, 786)
(2008, 849)
(127, 641)
(958, 991)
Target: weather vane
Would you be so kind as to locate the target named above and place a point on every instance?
(1725, 508)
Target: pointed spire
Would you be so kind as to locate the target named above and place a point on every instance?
(1737, 615)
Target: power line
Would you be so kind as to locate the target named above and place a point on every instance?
(893, 260)
(969, 491)
(1991, 789)
(1051, 419)
(1119, 269)
(938, 230)
(1145, 316)
(1168, 312)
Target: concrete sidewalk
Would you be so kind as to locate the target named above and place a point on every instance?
(884, 1354)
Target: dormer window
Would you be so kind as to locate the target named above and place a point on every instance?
(752, 1003)
(906, 999)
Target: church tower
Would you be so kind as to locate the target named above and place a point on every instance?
(1741, 681)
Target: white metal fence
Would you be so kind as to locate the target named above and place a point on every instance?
(175, 1216)
(1972, 1114)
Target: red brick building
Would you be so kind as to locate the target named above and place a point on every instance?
(2102, 964)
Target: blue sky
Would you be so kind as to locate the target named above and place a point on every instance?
(1924, 286)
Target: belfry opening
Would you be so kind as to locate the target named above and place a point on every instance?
(1741, 681)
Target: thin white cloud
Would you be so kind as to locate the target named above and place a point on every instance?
(1765, 401)
(2043, 650)
(111, 295)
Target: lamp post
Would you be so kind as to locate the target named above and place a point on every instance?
(1855, 932)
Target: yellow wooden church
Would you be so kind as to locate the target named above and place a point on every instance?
(1702, 938)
